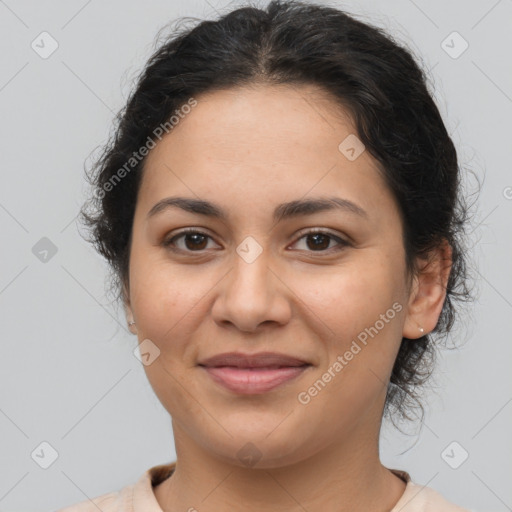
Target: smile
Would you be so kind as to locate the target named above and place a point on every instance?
(252, 381)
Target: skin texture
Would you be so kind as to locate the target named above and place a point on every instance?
(248, 150)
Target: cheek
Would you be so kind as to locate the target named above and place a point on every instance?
(157, 295)
(353, 296)
(361, 308)
(169, 303)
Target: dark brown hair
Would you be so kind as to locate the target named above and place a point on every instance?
(367, 72)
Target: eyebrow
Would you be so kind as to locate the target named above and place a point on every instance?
(288, 210)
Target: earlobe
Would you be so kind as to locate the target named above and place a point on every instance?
(130, 320)
(128, 309)
(428, 292)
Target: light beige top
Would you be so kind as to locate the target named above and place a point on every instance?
(140, 497)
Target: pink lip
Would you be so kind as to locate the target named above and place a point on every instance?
(252, 381)
(258, 360)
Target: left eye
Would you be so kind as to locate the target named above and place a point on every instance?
(195, 238)
(320, 241)
(196, 241)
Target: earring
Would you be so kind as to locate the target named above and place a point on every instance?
(131, 323)
(421, 330)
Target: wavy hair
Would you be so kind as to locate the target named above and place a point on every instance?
(379, 83)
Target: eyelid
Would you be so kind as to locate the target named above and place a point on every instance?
(168, 240)
(323, 231)
(342, 242)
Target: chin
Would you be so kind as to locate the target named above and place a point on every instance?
(264, 448)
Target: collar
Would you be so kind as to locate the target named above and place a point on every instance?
(143, 499)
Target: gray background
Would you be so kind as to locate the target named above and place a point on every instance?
(68, 374)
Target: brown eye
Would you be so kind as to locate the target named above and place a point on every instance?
(193, 241)
(320, 241)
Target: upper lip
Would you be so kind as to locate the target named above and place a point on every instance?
(258, 360)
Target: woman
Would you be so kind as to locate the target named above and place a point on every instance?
(281, 209)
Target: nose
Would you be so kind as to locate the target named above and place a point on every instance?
(252, 294)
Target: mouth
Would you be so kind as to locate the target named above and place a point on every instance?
(253, 381)
(253, 374)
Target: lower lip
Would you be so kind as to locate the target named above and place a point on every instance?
(252, 381)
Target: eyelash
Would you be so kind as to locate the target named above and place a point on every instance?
(342, 243)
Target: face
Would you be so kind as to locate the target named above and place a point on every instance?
(326, 286)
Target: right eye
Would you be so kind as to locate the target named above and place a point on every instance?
(194, 241)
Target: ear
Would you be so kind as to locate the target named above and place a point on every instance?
(125, 295)
(428, 292)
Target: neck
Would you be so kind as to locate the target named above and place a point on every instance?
(344, 477)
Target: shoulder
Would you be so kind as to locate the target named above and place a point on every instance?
(108, 502)
(418, 498)
(138, 497)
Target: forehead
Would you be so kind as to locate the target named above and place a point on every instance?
(254, 120)
(264, 144)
